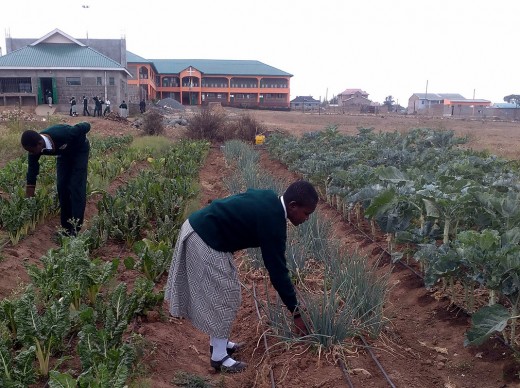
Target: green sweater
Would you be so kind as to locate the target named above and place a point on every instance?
(66, 140)
(252, 219)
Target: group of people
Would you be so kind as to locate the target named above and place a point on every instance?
(98, 107)
(203, 284)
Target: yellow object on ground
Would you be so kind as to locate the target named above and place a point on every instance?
(259, 139)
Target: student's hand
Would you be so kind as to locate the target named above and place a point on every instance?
(29, 191)
(300, 327)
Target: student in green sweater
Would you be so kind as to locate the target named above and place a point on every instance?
(203, 285)
(70, 145)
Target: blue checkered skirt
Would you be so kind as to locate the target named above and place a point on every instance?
(203, 285)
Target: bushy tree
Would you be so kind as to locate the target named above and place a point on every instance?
(389, 102)
(513, 99)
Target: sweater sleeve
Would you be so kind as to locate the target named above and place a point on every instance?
(33, 169)
(273, 254)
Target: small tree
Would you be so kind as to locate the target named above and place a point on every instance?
(389, 103)
(513, 99)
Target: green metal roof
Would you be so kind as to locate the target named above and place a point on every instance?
(55, 55)
(134, 58)
(213, 66)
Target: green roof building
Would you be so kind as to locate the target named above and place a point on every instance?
(240, 83)
(62, 66)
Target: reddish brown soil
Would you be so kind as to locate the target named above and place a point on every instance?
(422, 344)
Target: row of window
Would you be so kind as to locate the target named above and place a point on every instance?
(76, 81)
(244, 96)
(222, 85)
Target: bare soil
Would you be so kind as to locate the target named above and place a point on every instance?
(422, 345)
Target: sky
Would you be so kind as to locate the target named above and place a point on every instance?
(386, 48)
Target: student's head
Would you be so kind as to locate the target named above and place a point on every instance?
(300, 200)
(32, 142)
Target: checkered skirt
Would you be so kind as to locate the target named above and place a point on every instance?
(203, 285)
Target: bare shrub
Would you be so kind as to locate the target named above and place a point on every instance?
(245, 127)
(153, 123)
(207, 124)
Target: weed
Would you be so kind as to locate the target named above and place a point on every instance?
(185, 379)
(153, 123)
(207, 124)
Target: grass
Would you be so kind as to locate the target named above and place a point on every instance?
(10, 132)
(10, 147)
(156, 143)
(189, 380)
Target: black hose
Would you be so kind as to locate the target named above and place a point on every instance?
(377, 362)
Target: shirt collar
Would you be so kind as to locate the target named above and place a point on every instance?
(48, 144)
(283, 204)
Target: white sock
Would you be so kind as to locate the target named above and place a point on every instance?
(219, 350)
(230, 344)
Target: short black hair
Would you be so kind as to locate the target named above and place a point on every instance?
(301, 192)
(30, 138)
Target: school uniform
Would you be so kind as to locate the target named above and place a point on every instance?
(203, 282)
(70, 145)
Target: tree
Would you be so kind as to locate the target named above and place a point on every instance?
(389, 102)
(513, 99)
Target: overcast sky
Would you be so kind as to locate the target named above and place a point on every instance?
(384, 47)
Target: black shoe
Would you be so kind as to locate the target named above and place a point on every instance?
(237, 367)
(236, 347)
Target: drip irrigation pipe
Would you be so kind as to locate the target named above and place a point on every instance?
(500, 339)
(377, 361)
(271, 375)
(345, 373)
(384, 249)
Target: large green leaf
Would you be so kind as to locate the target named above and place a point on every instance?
(61, 380)
(485, 322)
(392, 174)
(432, 209)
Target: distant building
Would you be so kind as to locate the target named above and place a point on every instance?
(240, 83)
(446, 104)
(504, 111)
(65, 67)
(305, 103)
(353, 98)
(68, 67)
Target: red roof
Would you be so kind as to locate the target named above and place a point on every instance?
(354, 91)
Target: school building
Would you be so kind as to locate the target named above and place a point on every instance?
(68, 67)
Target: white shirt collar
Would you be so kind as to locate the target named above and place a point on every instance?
(283, 204)
(48, 144)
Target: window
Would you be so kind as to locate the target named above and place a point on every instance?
(25, 87)
(99, 81)
(73, 81)
(111, 81)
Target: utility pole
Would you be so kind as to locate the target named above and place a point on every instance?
(86, 6)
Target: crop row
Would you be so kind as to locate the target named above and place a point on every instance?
(72, 319)
(456, 210)
(19, 215)
(341, 294)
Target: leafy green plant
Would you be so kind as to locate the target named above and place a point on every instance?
(154, 258)
(45, 330)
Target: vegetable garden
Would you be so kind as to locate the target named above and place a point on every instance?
(90, 312)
